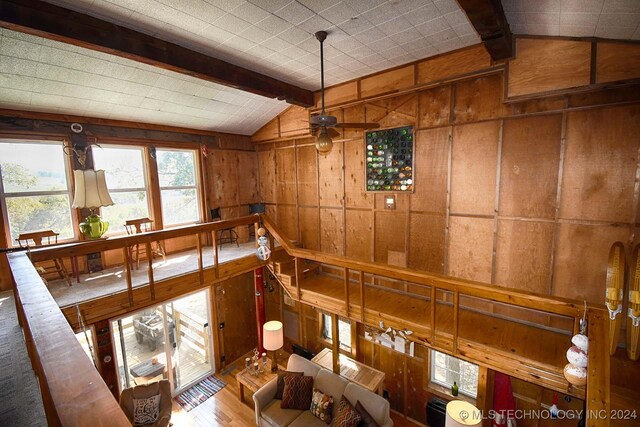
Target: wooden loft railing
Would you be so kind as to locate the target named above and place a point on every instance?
(73, 391)
(344, 301)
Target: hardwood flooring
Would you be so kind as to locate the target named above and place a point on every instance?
(224, 408)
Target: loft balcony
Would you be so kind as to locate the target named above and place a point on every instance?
(493, 327)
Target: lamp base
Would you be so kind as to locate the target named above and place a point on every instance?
(274, 362)
(94, 227)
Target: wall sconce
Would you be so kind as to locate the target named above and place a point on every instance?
(390, 201)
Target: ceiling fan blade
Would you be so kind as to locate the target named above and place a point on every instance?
(358, 125)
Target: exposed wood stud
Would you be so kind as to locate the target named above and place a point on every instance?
(497, 204)
(556, 228)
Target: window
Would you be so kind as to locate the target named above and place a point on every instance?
(178, 186)
(446, 369)
(344, 329)
(35, 188)
(125, 172)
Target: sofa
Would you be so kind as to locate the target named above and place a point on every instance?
(269, 413)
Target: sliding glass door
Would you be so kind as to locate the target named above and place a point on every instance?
(170, 341)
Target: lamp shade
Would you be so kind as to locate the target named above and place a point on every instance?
(462, 414)
(272, 335)
(91, 189)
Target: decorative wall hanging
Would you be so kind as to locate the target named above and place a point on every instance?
(389, 159)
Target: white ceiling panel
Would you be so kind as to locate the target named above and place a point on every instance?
(611, 19)
(47, 76)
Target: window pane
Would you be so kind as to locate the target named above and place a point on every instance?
(123, 167)
(345, 334)
(447, 369)
(326, 327)
(32, 167)
(176, 168)
(34, 213)
(128, 205)
(179, 206)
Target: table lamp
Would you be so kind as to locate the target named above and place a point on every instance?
(91, 193)
(272, 340)
(462, 414)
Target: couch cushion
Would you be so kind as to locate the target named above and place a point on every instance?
(281, 375)
(331, 384)
(322, 406)
(347, 416)
(300, 364)
(375, 404)
(297, 392)
(277, 416)
(307, 419)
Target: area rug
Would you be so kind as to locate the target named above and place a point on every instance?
(200, 392)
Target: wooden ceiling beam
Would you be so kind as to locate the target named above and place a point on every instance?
(487, 17)
(56, 23)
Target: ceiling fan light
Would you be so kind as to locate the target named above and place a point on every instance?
(324, 143)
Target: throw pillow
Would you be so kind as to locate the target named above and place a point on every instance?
(297, 392)
(146, 411)
(281, 375)
(321, 405)
(367, 419)
(347, 415)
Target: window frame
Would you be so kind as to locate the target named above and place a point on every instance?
(145, 175)
(329, 339)
(432, 380)
(64, 144)
(197, 186)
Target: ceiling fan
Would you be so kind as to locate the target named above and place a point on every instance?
(323, 124)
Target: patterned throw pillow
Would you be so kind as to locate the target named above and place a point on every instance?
(281, 375)
(347, 416)
(367, 419)
(322, 405)
(297, 392)
(146, 411)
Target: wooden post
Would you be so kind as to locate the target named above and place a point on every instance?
(362, 296)
(152, 284)
(258, 284)
(456, 319)
(127, 271)
(433, 314)
(200, 261)
(296, 261)
(214, 235)
(335, 333)
(598, 376)
(346, 291)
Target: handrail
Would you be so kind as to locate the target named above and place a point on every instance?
(119, 242)
(73, 391)
(531, 300)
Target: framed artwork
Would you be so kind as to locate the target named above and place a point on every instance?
(389, 160)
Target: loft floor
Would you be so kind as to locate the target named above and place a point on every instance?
(112, 280)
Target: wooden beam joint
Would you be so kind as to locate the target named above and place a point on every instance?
(489, 20)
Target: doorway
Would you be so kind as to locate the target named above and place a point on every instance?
(168, 341)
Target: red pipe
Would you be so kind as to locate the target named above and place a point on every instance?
(259, 292)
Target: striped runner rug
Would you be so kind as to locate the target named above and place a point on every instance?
(200, 392)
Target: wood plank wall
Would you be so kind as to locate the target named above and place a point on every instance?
(229, 169)
(528, 194)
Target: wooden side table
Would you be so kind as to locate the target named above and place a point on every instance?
(359, 373)
(253, 382)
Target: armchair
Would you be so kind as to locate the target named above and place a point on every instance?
(162, 388)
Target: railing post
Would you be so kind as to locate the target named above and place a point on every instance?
(456, 319)
(296, 262)
(598, 375)
(433, 313)
(152, 284)
(346, 291)
(200, 261)
(362, 296)
(127, 271)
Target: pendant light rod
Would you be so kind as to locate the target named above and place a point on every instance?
(321, 36)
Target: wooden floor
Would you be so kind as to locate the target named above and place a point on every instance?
(112, 280)
(224, 408)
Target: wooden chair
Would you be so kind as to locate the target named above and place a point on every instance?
(142, 225)
(232, 235)
(34, 239)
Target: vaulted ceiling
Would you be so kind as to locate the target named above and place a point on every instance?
(272, 37)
